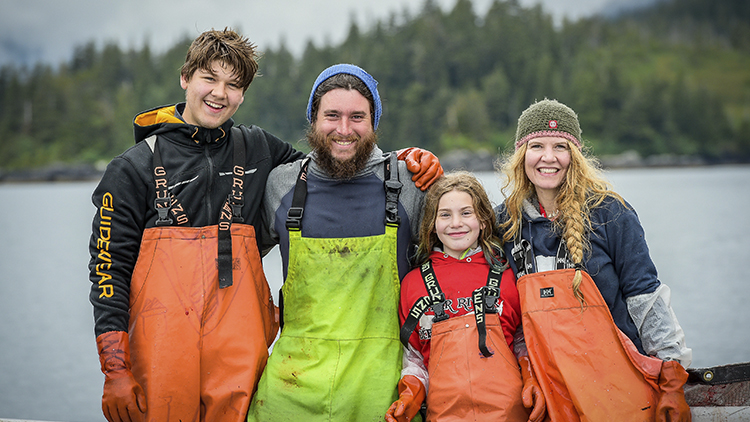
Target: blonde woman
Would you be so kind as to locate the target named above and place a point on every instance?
(601, 334)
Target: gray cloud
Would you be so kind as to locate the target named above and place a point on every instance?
(49, 30)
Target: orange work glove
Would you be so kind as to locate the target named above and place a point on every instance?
(532, 395)
(123, 399)
(424, 164)
(672, 406)
(410, 397)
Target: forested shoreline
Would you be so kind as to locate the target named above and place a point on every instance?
(664, 85)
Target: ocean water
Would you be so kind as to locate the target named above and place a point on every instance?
(696, 222)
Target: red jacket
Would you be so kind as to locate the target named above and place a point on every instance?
(458, 279)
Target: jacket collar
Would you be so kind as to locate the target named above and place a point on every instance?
(168, 119)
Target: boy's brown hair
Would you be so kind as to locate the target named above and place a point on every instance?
(226, 46)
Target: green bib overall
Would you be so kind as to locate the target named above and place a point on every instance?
(338, 357)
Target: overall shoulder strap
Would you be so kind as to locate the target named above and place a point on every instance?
(485, 301)
(523, 257)
(294, 215)
(165, 202)
(435, 299)
(392, 191)
(562, 258)
(231, 212)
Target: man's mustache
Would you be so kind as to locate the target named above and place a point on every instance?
(340, 138)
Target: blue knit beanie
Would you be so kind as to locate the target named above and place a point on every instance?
(357, 71)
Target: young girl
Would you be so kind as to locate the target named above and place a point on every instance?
(460, 311)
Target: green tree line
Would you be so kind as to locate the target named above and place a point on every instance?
(673, 78)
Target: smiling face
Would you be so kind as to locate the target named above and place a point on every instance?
(546, 164)
(341, 135)
(456, 223)
(344, 118)
(211, 97)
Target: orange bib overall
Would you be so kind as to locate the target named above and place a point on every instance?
(466, 386)
(198, 350)
(586, 367)
(473, 374)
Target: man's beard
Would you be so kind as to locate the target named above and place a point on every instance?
(341, 169)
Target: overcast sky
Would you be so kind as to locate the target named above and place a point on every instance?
(49, 30)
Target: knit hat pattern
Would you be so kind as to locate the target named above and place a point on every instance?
(354, 70)
(548, 118)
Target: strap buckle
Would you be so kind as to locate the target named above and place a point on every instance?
(392, 191)
(236, 202)
(438, 307)
(393, 186)
(162, 208)
(294, 218)
(491, 295)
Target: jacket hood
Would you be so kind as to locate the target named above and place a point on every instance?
(531, 209)
(165, 119)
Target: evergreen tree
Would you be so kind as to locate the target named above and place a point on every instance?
(668, 79)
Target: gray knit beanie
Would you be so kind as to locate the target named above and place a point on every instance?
(548, 118)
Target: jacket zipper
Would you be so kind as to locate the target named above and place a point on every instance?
(210, 177)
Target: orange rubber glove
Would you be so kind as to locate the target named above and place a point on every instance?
(123, 399)
(672, 406)
(411, 394)
(532, 395)
(424, 164)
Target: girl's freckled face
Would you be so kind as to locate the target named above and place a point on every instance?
(456, 223)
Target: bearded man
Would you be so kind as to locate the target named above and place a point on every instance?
(345, 219)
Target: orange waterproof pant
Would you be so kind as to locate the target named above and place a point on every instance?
(465, 385)
(586, 367)
(197, 350)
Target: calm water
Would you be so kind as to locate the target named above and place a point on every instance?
(696, 223)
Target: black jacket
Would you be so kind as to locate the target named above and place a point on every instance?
(198, 163)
